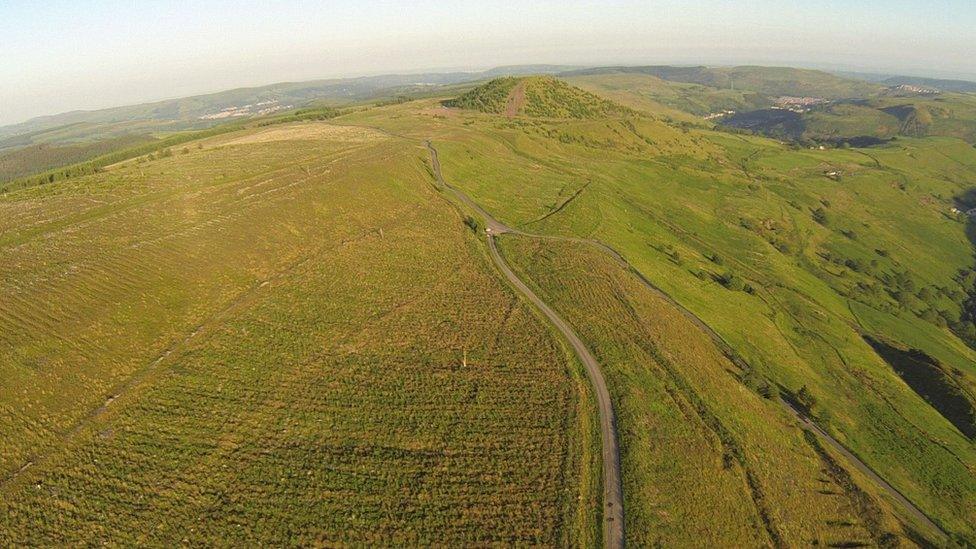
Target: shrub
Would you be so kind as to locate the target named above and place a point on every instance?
(820, 216)
(805, 399)
(732, 281)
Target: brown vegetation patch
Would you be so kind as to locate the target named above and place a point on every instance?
(314, 131)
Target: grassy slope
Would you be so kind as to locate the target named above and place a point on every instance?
(692, 95)
(768, 81)
(296, 315)
(948, 115)
(667, 198)
(651, 94)
(689, 427)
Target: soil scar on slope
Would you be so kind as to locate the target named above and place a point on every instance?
(516, 100)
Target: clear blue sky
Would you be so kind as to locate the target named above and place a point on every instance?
(61, 55)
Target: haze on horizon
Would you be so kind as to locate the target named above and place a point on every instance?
(88, 54)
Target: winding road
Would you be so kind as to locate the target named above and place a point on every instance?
(613, 492)
(613, 499)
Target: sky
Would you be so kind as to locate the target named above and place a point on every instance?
(62, 55)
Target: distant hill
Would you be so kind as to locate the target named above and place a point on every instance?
(868, 120)
(677, 100)
(56, 141)
(770, 81)
(537, 96)
(961, 86)
(209, 109)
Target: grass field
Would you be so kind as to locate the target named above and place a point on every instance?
(288, 335)
(282, 337)
(706, 461)
(787, 263)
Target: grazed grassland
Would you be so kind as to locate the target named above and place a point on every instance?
(706, 461)
(789, 265)
(277, 342)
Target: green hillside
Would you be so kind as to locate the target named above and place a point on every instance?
(854, 112)
(881, 117)
(286, 335)
(295, 331)
(538, 96)
(769, 81)
(25, 161)
(791, 256)
(652, 94)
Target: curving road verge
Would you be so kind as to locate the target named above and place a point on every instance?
(613, 501)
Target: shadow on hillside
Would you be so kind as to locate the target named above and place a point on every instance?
(965, 202)
(930, 381)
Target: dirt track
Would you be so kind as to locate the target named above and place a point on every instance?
(516, 100)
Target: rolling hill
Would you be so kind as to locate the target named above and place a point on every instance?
(302, 332)
(536, 96)
(790, 256)
(52, 142)
(188, 112)
(768, 81)
(867, 120)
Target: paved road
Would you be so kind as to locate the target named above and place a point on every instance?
(608, 423)
(613, 501)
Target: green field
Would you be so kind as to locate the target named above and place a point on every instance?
(294, 339)
(689, 425)
(728, 225)
(290, 334)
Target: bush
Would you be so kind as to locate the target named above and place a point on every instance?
(805, 399)
(732, 281)
(820, 216)
(769, 391)
(855, 265)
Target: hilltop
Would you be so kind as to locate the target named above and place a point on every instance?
(205, 109)
(537, 96)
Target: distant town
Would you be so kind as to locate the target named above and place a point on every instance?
(253, 109)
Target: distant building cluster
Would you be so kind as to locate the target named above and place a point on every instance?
(798, 104)
(719, 114)
(253, 109)
(971, 212)
(912, 89)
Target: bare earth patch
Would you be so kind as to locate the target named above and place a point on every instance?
(516, 100)
(305, 131)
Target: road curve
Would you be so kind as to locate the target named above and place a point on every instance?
(613, 500)
(613, 531)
